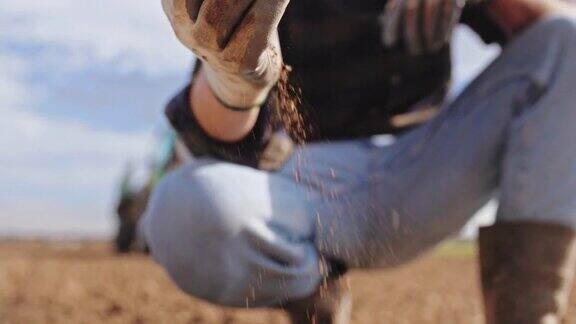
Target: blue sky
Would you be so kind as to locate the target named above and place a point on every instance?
(82, 86)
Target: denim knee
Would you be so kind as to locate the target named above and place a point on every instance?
(189, 236)
(215, 249)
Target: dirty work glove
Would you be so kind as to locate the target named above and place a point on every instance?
(237, 40)
(425, 26)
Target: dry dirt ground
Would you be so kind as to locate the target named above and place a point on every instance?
(85, 283)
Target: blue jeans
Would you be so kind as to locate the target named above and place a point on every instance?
(237, 236)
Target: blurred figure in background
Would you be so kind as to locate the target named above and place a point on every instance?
(169, 154)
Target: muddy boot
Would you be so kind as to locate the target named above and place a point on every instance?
(527, 271)
(331, 304)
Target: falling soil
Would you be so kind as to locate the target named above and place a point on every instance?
(288, 104)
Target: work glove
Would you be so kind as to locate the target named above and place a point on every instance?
(425, 26)
(237, 40)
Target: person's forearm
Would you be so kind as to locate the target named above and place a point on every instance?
(215, 119)
(517, 15)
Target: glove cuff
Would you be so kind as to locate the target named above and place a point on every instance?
(233, 91)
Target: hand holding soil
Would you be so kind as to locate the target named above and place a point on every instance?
(238, 42)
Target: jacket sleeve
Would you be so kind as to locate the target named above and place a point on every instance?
(477, 16)
(247, 151)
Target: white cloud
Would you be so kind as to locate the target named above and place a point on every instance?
(57, 174)
(12, 92)
(470, 57)
(46, 217)
(134, 33)
(27, 141)
(60, 176)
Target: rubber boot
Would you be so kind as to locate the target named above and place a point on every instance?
(527, 271)
(331, 304)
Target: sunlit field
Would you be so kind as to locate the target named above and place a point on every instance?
(85, 283)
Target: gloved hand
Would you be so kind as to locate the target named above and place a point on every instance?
(424, 25)
(237, 40)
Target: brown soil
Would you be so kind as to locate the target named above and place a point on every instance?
(288, 103)
(85, 283)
